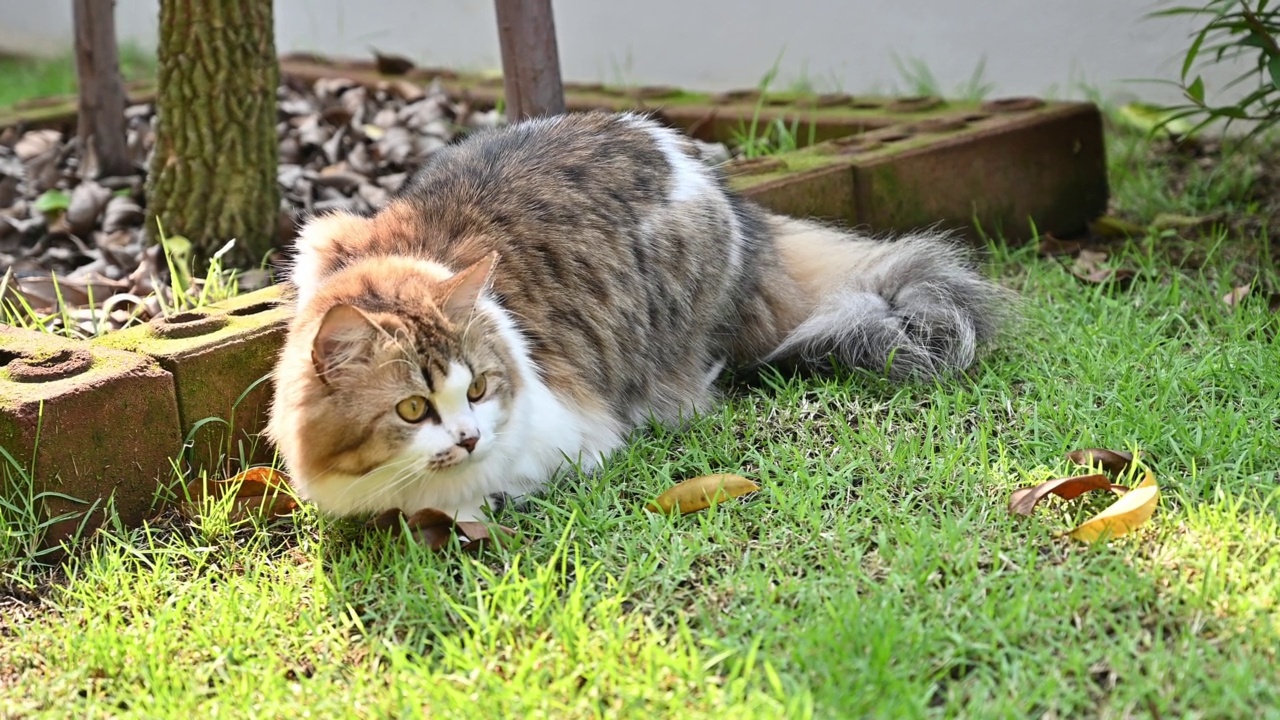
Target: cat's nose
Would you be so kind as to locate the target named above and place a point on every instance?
(468, 442)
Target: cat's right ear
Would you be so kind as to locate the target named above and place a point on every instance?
(343, 333)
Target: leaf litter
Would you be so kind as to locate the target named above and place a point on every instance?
(436, 528)
(256, 492)
(1134, 507)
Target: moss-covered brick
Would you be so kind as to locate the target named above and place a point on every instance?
(221, 358)
(89, 423)
(1011, 172)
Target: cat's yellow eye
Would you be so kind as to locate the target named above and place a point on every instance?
(412, 409)
(477, 388)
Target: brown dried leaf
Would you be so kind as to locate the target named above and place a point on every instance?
(433, 528)
(1115, 462)
(35, 143)
(1122, 278)
(1131, 510)
(1024, 500)
(88, 201)
(699, 493)
(1088, 261)
(1237, 295)
(1051, 246)
(392, 64)
(259, 491)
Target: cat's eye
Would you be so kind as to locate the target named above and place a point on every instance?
(413, 408)
(476, 390)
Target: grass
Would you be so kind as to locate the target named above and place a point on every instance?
(26, 78)
(878, 572)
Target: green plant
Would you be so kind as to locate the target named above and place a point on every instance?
(756, 139)
(1233, 30)
(29, 78)
(920, 80)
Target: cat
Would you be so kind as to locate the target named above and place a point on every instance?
(537, 292)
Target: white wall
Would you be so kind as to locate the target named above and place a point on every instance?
(1044, 47)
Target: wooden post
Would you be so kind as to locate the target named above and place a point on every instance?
(102, 98)
(530, 61)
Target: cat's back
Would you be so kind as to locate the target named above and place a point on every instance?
(597, 170)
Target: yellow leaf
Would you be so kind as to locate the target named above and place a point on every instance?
(1131, 510)
(698, 493)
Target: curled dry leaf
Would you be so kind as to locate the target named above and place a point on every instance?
(392, 64)
(434, 528)
(1121, 277)
(1131, 510)
(1089, 261)
(1115, 462)
(259, 491)
(1024, 500)
(1237, 295)
(699, 493)
(1114, 227)
(1051, 246)
(1134, 507)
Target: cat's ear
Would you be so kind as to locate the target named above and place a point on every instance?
(343, 333)
(463, 289)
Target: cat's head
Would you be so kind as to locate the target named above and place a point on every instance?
(392, 374)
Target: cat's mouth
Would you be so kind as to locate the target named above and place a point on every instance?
(452, 457)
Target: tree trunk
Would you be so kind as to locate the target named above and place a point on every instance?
(530, 61)
(213, 174)
(102, 99)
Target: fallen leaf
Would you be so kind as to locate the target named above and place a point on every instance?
(1131, 510)
(1089, 260)
(1051, 246)
(1115, 462)
(1024, 500)
(259, 491)
(1234, 297)
(1176, 221)
(1114, 227)
(699, 493)
(434, 528)
(1122, 278)
(36, 143)
(431, 527)
(392, 64)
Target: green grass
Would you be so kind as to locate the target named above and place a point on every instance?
(30, 78)
(877, 573)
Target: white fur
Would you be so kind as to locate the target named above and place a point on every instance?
(306, 265)
(515, 455)
(689, 178)
(692, 181)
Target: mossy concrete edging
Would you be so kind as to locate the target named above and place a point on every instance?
(83, 425)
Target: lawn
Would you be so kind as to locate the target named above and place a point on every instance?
(878, 572)
(24, 78)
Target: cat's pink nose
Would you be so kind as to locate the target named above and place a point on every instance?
(468, 442)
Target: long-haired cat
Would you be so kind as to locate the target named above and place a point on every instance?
(538, 292)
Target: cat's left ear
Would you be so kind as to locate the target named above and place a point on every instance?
(463, 289)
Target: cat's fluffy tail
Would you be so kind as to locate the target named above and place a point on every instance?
(914, 307)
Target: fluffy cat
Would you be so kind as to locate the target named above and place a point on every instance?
(538, 292)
